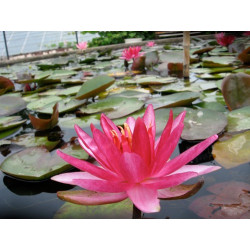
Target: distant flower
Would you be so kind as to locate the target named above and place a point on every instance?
(131, 53)
(150, 44)
(246, 33)
(82, 45)
(224, 40)
(132, 164)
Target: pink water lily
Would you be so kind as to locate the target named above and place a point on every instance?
(132, 163)
(150, 44)
(224, 40)
(131, 53)
(246, 33)
(82, 45)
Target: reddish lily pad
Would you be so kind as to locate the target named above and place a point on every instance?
(37, 163)
(202, 51)
(175, 67)
(236, 90)
(239, 119)
(244, 56)
(120, 210)
(233, 152)
(230, 200)
(173, 100)
(44, 124)
(139, 64)
(11, 105)
(10, 122)
(114, 107)
(5, 85)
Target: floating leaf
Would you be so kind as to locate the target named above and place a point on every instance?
(173, 100)
(236, 90)
(155, 80)
(175, 67)
(230, 200)
(239, 119)
(94, 86)
(214, 96)
(139, 64)
(152, 58)
(30, 140)
(10, 122)
(216, 106)
(172, 56)
(212, 76)
(120, 210)
(244, 56)
(217, 61)
(233, 152)
(202, 51)
(114, 107)
(11, 105)
(203, 123)
(5, 85)
(44, 124)
(9, 132)
(37, 163)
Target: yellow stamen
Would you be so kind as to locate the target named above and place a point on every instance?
(129, 134)
(122, 130)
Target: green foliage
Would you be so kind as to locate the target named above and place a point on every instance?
(115, 37)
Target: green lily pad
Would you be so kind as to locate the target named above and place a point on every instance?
(120, 210)
(212, 70)
(174, 100)
(212, 76)
(61, 92)
(203, 123)
(236, 90)
(64, 105)
(179, 86)
(216, 106)
(217, 61)
(29, 140)
(94, 86)
(37, 163)
(239, 119)
(10, 122)
(9, 132)
(114, 107)
(233, 152)
(214, 96)
(155, 80)
(83, 122)
(11, 105)
(43, 102)
(172, 56)
(152, 58)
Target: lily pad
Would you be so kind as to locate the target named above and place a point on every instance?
(214, 96)
(172, 56)
(94, 86)
(43, 102)
(216, 106)
(239, 119)
(202, 51)
(236, 90)
(244, 56)
(44, 124)
(233, 152)
(5, 85)
(139, 64)
(37, 163)
(29, 140)
(212, 76)
(9, 132)
(114, 107)
(229, 200)
(11, 105)
(174, 100)
(10, 122)
(120, 210)
(64, 105)
(217, 61)
(155, 80)
(152, 58)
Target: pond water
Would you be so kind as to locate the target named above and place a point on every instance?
(224, 193)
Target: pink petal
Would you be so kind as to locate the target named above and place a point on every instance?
(167, 145)
(144, 198)
(85, 197)
(186, 157)
(140, 142)
(107, 125)
(178, 120)
(90, 182)
(132, 167)
(90, 147)
(131, 123)
(86, 166)
(169, 181)
(199, 169)
(108, 148)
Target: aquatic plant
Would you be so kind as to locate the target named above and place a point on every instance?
(223, 39)
(132, 164)
(82, 45)
(131, 53)
(150, 44)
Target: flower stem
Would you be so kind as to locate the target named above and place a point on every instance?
(137, 214)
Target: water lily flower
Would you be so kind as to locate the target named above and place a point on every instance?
(246, 33)
(131, 53)
(132, 163)
(150, 44)
(224, 40)
(82, 45)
